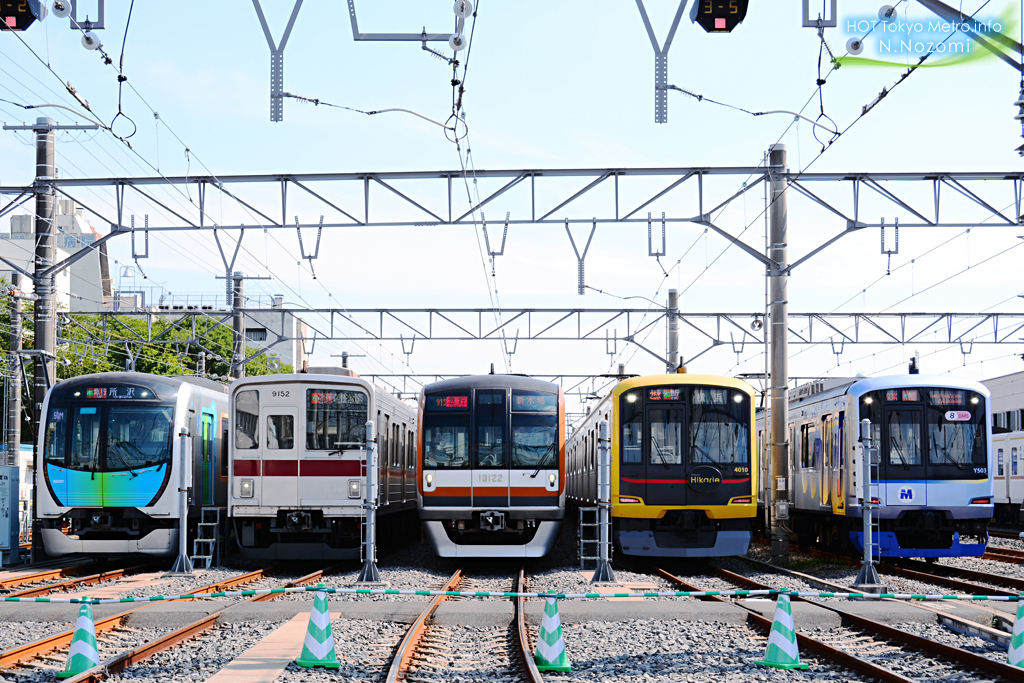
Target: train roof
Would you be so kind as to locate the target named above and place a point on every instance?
(683, 378)
(492, 382)
(141, 377)
(858, 386)
(305, 377)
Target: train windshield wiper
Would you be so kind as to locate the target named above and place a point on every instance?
(542, 461)
(945, 453)
(661, 455)
(115, 444)
(346, 443)
(899, 452)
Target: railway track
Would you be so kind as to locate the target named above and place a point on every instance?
(875, 649)
(125, 660)
(960, 659)
(49, 573)
(39, 648)
(82, 581)
(429, 651)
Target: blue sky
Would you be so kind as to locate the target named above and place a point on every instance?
(549, 85)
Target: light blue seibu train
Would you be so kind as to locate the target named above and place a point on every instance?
(932, 436)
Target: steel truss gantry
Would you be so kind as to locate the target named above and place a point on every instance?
(84, 331)
(540, 197)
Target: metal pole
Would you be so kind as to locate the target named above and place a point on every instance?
(603, 572)
(43, 333)
(369, 572)
(183, 565)
(673, 331)
(238, 353)
(867, 580)
(13, 435)
(779, 305)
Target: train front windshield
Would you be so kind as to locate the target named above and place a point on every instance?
(108, 447)
(926, 432)
(530, 417)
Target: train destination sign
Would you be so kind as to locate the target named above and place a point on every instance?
(705, 479)
(113, 392)
(443, 402)
(534, 402)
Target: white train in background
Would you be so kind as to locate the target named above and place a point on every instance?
(298, 463)
(1009, 476)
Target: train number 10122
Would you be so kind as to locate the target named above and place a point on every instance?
(490, 478)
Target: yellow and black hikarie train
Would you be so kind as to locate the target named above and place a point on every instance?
(683, 470)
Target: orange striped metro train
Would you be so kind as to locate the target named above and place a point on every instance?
(492, 466)
(683, 465)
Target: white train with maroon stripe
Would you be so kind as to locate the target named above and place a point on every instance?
(298, 462)
(491, 479)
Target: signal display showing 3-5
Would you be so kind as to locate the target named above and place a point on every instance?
(719, 16)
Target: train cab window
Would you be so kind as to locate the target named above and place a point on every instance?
(534, 429)
(490, 441)
(956, 429)
(719, 427)
(667, 436)
(280, 432)
(85, 439)
(335, 420)
(632, 427)
(904, 438)
(999, 463)
(446, 431)
(247, 419)
(54, 450)
(140, 436)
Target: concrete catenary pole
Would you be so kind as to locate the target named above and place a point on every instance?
(238, 303)
(13, 435)
(673, 331)
(779, 312)
(44, 321)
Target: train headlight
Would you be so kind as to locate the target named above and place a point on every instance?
(246, 489)
(354, 488)
(430, 479)
(552, 478)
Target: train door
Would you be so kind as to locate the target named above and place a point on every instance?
(383, 458)
(490, 460)
(207, 466)
(280, 457)
(666, 473)
(903, 466)
(825, 475)
(1001, 475)
(839, 464)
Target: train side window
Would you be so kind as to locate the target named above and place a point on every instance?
(999, 463)
(247, 419)
(396, 442)
(54, 445)
(224, 429)
(632, 428)
(806, 454)
(280, 432)
(1013, 461)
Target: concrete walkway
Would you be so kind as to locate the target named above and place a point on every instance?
(267, 660)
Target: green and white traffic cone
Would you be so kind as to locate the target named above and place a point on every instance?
(83, 654)
(550, 655)
(318, 648)
(1015, 655)
(782, 651)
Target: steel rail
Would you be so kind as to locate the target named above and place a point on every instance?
(949, 580)
(949, 653)
(806, 643)
(1004, 555)
(90, 580)
(119, 663)
(529, 665)
(45, 575)
(24, 653)
(407, 648)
